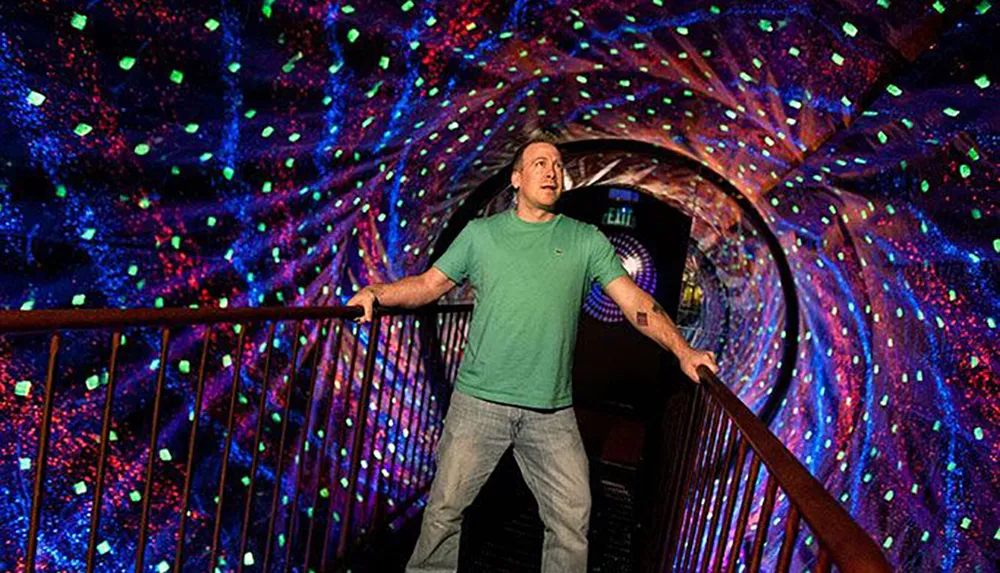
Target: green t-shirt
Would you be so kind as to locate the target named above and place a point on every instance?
(530, 281)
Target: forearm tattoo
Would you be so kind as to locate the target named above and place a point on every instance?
(642, 319)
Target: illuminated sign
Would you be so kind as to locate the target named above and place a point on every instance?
(626, 195)
(619, 217)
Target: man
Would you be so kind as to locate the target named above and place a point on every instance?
(531, 269)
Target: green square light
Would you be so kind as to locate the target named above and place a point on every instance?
(79, 21)
(177, 76)
(36, 99)
(23, 388)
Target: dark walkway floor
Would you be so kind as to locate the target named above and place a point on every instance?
(502, 532)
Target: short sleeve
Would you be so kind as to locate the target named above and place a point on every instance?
(456, 260)
(603, 264)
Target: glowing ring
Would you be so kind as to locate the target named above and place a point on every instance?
(639, 265)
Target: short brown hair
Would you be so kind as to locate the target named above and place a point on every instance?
(519, 154)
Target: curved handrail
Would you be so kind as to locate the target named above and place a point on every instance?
(850, 547)
(451, 319)
(45, 320)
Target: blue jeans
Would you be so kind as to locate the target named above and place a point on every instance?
(549, 451)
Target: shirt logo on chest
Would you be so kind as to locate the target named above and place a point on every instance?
(558, 252)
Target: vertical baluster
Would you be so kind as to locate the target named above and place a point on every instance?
(433, 436)
(465, 335)
(456, 353)
(371, 472)
(745, 504)
(730, 505)
(709, 439)
(321, 459)
(426, 441)
(300, 469)
(693, 475)
(95, 508)
(140, 553)
(258, 438)
(823, 562)
(452, 348)
(409, 449)
(398, 418)
(227, 448)
(447, 331)
(717, 508)
(359, 434)
(343, 435)
(341, 438)
(701, 515)
(42, 457)
(683, 467)
(186, 495)
(441, 352)
(788, 543)
(423, 441)
(764, 523)
(276, 491)
(378, 468)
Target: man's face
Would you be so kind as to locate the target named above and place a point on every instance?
(539, 180)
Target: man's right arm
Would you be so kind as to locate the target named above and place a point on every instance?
(408, 292)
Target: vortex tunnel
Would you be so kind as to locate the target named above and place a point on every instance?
(837, 158)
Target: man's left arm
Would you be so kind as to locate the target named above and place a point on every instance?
(649, 318)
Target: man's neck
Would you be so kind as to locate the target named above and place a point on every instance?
(532, 214)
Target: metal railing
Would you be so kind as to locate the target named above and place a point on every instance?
(336, 443)
(323, 431)
(726, 450)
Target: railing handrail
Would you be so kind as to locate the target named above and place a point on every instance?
(850, 547)
(419, 426)
(67, 319)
